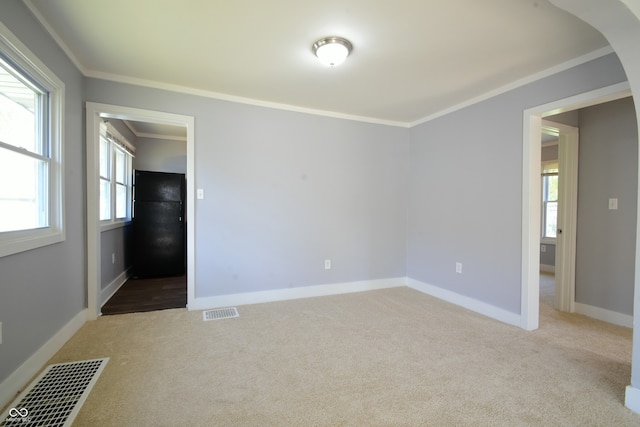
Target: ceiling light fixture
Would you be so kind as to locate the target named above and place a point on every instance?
(332, 50)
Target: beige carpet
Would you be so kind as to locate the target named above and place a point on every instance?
(392, 357)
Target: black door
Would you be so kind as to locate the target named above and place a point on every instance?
(158, 224)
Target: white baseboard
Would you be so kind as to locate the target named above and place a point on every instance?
(11, 386)
(548, 268)
(112, 288)
(483, 308)
(605, 315)
(632, 399)
(294, 293)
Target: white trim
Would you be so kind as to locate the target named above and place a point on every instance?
(519, 83)
(532, 127)
(107, 225)
(239, 99)
(547, 268)
(604, 315)
(294, 293)
(531, 206)
(632, 399)
(108, 291)
(480, 307)
(94, 113)
(217, 95)
(161, 136)
(24, 240)
(232, 98)
(12, 385)
(567, 214)
(55, 36)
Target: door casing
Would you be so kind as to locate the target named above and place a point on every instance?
(531, 201)
(94, 112)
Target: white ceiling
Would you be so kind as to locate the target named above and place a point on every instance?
(411, 58)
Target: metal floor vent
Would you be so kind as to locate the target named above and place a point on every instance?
(220, 313)
(56, 396)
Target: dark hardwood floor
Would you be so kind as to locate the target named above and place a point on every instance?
(138, 295)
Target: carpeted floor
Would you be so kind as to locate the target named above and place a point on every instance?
(391, 357)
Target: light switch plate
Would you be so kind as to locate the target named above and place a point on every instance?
(200, 193)
(613, 204)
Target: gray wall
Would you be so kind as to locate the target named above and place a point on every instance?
(117, 241)
(548, 257)
(124, 131)
(608, 168)
(284, 191)
(160, 155)
(550, 153)
(43, 289)
(464, 204)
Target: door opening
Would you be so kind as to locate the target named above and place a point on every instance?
(559, 220)
(531, 190)
(95, 113)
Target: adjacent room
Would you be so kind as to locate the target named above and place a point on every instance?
(347, 213)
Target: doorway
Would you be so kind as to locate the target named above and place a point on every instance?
(559, 233)
(95, 113)
(531, 190)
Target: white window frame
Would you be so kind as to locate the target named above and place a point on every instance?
(118, 143)
(544, 239)
(12, 242)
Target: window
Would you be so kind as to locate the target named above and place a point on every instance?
(31, 105)
(116, 155)
(549, 199)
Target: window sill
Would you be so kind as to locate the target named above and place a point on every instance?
(547, 241)
(112, 225)
(21, 241)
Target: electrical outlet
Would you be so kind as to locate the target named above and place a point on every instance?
(543, 248)
(327, 264)
(459, 267)
(113, 258)
(613, 204)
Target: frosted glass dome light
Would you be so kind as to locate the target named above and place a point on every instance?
(332, 51)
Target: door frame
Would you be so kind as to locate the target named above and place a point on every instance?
(94, 112)
(565, 264)
(531, 203)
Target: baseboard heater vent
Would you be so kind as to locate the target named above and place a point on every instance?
(55, 397)
(220, 313)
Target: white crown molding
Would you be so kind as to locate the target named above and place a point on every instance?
(160, 136)
(238, 99)
(287, 107)
(519, 83)
(56, 37)
(139, 134)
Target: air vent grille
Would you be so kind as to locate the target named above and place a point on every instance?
(220, 313)
(56, 396)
